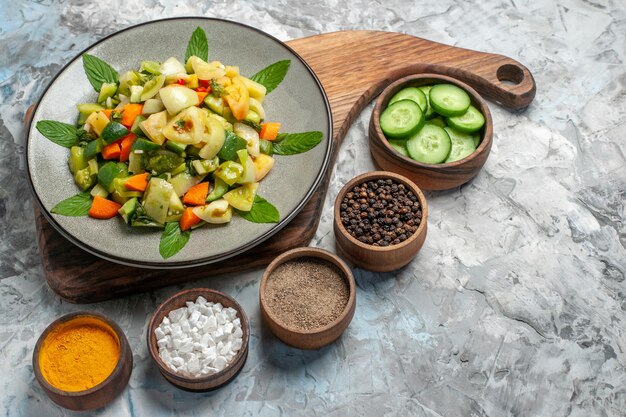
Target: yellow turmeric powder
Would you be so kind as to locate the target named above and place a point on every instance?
(79, 354)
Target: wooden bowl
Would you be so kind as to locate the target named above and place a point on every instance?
(315, 338)
(101, 394)
(378, 258)
(203, 383)
(429, 176)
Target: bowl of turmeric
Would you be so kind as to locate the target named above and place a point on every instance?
(82, 361)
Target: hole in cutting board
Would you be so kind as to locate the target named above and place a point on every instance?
(510, 74)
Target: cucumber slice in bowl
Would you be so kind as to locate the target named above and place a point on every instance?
(411, 93)
(401, 119)
(430, 145)
(470, 121)
(449, 100)
(429, 112)
(400, 147)
(462, 145)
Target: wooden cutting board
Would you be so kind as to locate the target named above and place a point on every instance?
(353, 67)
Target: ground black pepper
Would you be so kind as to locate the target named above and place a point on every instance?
(380, 212)
(307, 293)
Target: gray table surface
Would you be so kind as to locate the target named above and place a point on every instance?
(514, 307)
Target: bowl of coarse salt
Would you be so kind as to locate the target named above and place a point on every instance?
(199, 339)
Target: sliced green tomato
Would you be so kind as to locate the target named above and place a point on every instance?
(190, 62)
(225, 123)
(152, 105)
(127, 211)
(107, 90)
(462, 144)
(172, 66)
(255, 90)
(136, 162)
(219, 189)
(156, 199)
(232, 143)
(151, 67)
(163, 161)
(257, 107)
(183, 182)
(216, 212)
(449, 100)
(113, 131)
(250, 135)
(77, 159)
(176, 98)
(429, 113)
(242, 197)
(229, 172)
(175, 210)
(262, 166)
(470, 121)
(153, 126)
(84, 179)
(135, 93)
(205, 166)
(152, 87)
(400, 147)
(253, 117)
(213, 137)
(188, 127)
(430, 145)
(401, 119)
(129, 79)
(208, 70)
(249, 171)
(215, 104)
(411, 93)
(99, 190)
(88, 108)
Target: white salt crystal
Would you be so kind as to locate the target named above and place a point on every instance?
(221, 318)
(220, 363)
(237, 343)
(228, 328)
(177, 362)
(162, 344)
(193, 366)
(238, 333)
(159, 333)
(217, 307)
(201, 300)
(193, 319)
(176, 315)
(211, 325)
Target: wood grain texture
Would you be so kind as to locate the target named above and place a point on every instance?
(353, 67)
(315, 338)
(429, 176)
(373, 258)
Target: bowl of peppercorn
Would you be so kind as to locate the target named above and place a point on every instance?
(380, 221)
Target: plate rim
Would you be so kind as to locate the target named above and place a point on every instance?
(206, 260)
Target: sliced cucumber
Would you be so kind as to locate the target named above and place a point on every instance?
(430, 145)
(113, 131)
(411, 93)
(107, 90)
(438, 121)
(429, 113)
(142, 144)
(462, 144)
(401, 119)
(470, 121)
(400, 147)
(449, 100)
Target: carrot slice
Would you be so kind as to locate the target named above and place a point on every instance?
(196, 196)
(126, 145)
(201, 95)
(101, 208)
(269, 131)
(189, 219)
(137, 182)
(130, 113)
(111, 151)
(107, 112)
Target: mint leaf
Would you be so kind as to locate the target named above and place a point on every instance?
(98, 72)
(262, 211)
(198, 45)
(295, 143)
(77, 205)
(172, 240)
(60, 133)
(273, 75)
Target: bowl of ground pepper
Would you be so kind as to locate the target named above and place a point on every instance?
(380, 221)
(308, 297)
(82, 361)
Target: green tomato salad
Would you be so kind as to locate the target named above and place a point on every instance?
(175, 145)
